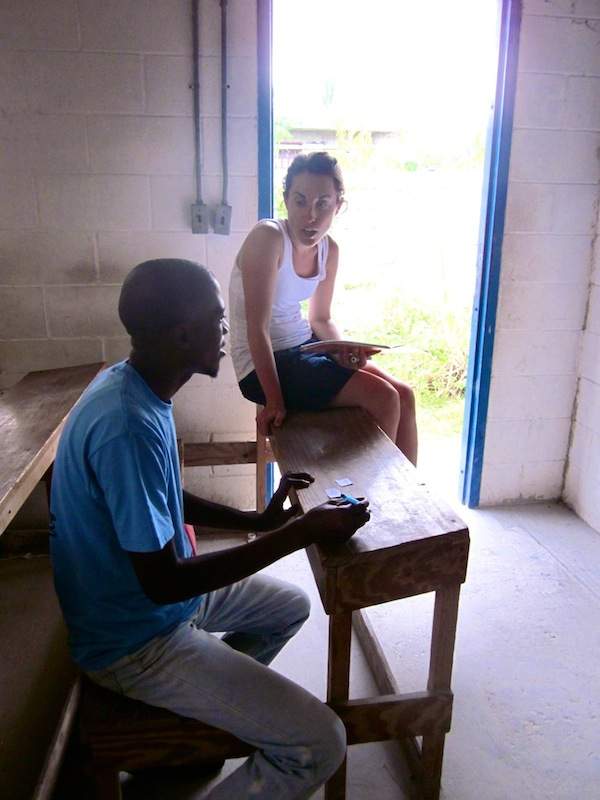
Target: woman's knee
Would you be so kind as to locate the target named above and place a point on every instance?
(406, 396)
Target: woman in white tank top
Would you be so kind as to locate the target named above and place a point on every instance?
(281, 263)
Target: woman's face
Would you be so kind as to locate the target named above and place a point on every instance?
(311, 203)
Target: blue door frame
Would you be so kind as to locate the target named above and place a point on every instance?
(483, 325)
(491, 231)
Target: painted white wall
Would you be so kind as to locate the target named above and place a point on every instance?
(546, 252)
(582, 486)
(97, 174)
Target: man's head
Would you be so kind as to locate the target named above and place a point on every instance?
(172, 307)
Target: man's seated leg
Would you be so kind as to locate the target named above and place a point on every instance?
(300, 741)
(257, 615)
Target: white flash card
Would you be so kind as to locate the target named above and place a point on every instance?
(343, 481)
(333, 493)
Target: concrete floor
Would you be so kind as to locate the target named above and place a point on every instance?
(526, 674)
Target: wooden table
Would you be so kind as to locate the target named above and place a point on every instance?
(32, 414)
(413, 544)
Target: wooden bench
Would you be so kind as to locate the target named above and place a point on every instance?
(413, 544)
(38, 681)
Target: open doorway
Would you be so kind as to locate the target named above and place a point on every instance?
(403, 97)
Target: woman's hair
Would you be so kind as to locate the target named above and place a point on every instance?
(319, 163)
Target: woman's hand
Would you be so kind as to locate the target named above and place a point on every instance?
(274, 515)
(272, 415)
(353, 357)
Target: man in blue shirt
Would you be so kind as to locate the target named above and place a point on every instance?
(140, 607)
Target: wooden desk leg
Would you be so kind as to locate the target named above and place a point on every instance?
(440, 673)
(338, 686)
(261, 469)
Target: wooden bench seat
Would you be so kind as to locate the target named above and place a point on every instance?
(121, 734)
(38, 690)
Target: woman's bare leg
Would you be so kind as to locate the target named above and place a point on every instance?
(406, 438)
(375, 395)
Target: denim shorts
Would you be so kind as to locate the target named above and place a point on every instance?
(309, 381)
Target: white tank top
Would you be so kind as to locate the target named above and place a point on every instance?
(288, 327)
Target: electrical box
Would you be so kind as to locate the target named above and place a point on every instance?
(222, 221)
(200, 218)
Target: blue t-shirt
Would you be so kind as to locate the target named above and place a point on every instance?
(115, 488)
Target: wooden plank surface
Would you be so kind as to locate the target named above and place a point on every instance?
(32, 414)
(347, 443)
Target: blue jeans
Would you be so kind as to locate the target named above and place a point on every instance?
(227, 683)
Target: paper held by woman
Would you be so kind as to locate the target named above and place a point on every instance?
(327, 345)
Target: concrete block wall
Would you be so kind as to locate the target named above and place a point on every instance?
(582, 486)
(97, 174)
(550, 224)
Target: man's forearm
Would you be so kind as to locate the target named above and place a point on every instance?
(197, 511)
(205, 573)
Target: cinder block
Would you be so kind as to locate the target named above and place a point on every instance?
(539, 306)
(75, 311)
(531, 397)
(538, 51)
(575, 209)
(243, 81)
(120, 251)
(37, 257)
(588, 404)
(555, 8)
(504, 440)
(546, 257)
(583, 103)
(21, 313)
(590, 357)
(555, 156)
(74, 83)
(238, 492)
(168, 86)
(217, 409)
(241, 26)
(577, 462)
(500, 483)
(43, 143)
(540, 101)
(157, 26)
(17, 202)
(117, 349)
(546, 440)
(39, 25)
(241, 146)
(582, 489)
(542, 480)
(529, 207)
(172, 197)
(210, 27)
(221, 252)
(593, 319)
(143, 145)
(35, 354)
(90, 202)
(242, 197)
(14, 80)
(535, 352)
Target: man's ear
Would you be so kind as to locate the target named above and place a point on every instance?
(180, 336)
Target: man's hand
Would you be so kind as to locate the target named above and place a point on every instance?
(271, 415)
(274, 516)
(336, 522)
